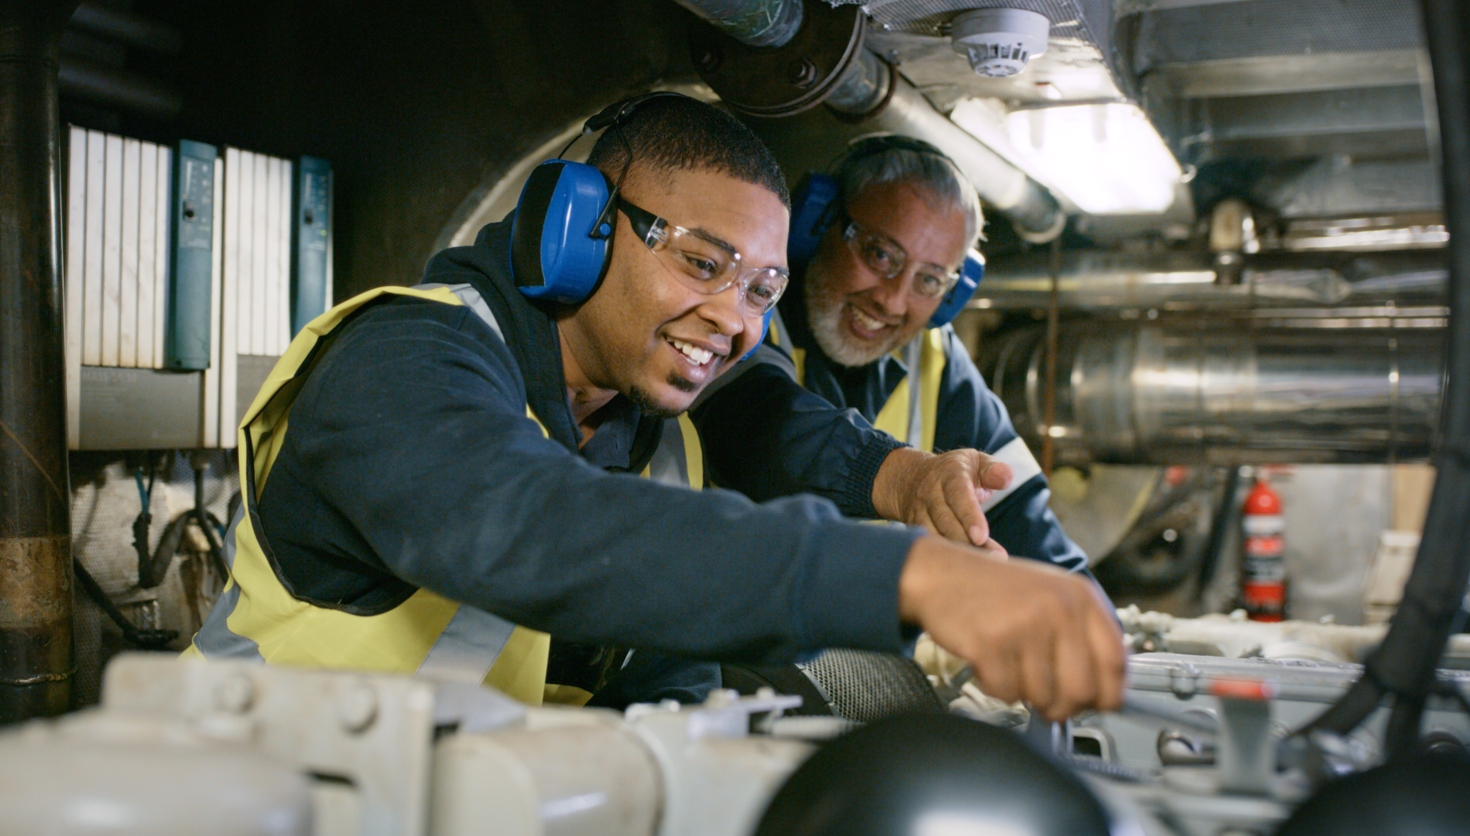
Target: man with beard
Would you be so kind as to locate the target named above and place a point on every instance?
(854, 328)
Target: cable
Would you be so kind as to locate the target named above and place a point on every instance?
(153, 569)
(1404, 664)
(144, 520)
(142, 638)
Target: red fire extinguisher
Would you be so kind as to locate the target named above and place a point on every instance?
(1263, 571)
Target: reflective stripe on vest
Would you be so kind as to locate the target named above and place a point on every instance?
(256, 617)
(912, 412)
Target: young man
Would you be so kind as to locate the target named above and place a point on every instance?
(856, 331)
(437, 478)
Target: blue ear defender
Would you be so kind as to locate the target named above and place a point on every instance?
(556, 253)
(561, 232)
(959, 295)
(811, 213)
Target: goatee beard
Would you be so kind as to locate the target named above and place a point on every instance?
(652, 408)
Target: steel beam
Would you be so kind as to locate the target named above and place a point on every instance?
(35, 526)
(1286, 74)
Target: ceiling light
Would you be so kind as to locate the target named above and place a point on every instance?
(1105, 158)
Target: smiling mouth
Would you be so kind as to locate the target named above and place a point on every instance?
(698, 357)
(867, 323)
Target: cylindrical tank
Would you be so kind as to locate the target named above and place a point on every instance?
(1228, 391)
(135, 775)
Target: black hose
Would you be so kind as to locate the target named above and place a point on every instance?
(144, 639)
(153, 569)
(1227, 516)
(1404, 664)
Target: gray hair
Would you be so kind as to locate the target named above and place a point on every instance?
(862, 168)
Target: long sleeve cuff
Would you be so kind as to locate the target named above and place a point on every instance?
(857, 494)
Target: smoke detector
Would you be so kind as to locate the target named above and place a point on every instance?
(999, 42)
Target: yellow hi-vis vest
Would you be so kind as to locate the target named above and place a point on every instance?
(912, 409)
(256, 617)
(911, 412)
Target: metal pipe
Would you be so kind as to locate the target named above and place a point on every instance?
(1036, 214)
(769, 23)
(864, 88)
(807, 141)
(1222, 392)
(35, 525)
(1102, 280)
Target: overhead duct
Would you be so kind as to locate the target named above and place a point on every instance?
(1224, 392)
(825, 62)
(1036, 214)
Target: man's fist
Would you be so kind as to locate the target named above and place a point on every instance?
(1030, 631)
(942, 493)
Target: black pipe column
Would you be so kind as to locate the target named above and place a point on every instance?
(35, 529)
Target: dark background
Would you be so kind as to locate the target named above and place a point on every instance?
(418, 106)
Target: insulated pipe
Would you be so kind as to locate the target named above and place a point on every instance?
(810, 141)
(1210, 393)
(1027, 203)
(864, 88)
(766, 23)
(35, 525)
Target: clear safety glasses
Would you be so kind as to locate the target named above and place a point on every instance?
(706, 266)
(885, 257)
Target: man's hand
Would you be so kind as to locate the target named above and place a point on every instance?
(1029, 630)
(942, 493)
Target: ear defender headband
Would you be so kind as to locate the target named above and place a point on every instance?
(561, 232)
(818, 201)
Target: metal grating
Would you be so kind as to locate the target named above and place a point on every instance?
(865, 686)
(1257, 28)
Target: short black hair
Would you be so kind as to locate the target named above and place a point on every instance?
(678, 133)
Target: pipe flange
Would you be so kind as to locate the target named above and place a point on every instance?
(784, 80)
(1042, 236)
(882, 105)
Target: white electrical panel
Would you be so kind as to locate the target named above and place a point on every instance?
(119, 208)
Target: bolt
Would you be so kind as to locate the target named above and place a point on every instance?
(802, 73)
(235, 694)
(708, 59)
(1184, 680)
(357, 708)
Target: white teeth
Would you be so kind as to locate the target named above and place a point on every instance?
(698, 356)
(866, 322)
